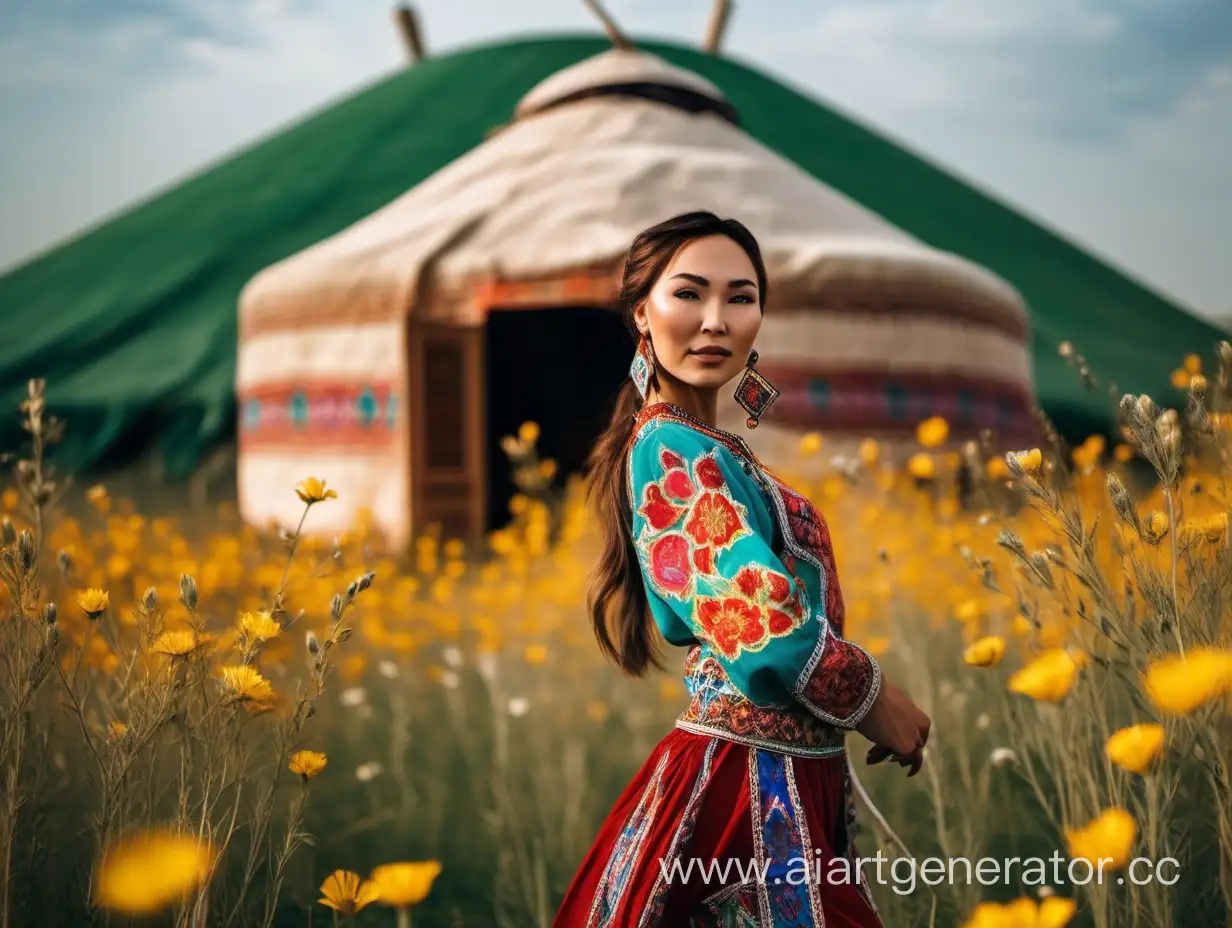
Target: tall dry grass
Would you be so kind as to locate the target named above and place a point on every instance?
(1036, 606)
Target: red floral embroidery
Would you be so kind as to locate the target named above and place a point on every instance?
(669, 563)
(677, 485)
(714, 522)
(841, 681)
(731, 624)
(749, 580)
(708, 473)
(670, 459)
(780, 586)
(658, 511)
(703, 560)
(779, 622)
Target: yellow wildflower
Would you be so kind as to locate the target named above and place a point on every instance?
(1193, 364)
(98, 497)
(536, 654)
(1048, 678)
(1108, 838)
(307, 764)
(996, 469)
(1031, 462)
(1123, 453)
(247, 685)
(528, 433)
(345, 892)
(810, 443)
(405, 884)
(146, 873)
(1179, 685)
(312, 490)
(117, 730)
(932, 433)
(547, 468)
(986, 652)
(1180, 379)
(1154, 527)
(179, 643)
(921, 466)
(93, 602)
(259, 626)
(870, 452)
(1023, 912)
(1136, 747)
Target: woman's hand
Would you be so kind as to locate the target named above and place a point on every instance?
(897, 727)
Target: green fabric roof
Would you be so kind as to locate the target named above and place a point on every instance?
(134, 324)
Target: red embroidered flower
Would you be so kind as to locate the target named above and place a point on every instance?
(730, 624)
(669, 563)
(670, 459)
(677, 485)
(703, 560)
(749, 579)
(657, 510)
(779, 622)
(780, 586)
(714, 521)
(708, 473)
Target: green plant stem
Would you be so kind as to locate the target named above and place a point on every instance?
(404, 916)
(1176, 602)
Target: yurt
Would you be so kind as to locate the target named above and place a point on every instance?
(392, 356)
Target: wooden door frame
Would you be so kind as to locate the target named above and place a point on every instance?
(475, 468)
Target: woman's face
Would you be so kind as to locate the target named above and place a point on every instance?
(703, 313)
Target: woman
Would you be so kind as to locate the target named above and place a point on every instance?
(707, 549)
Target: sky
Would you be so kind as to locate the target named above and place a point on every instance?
(1109, 121)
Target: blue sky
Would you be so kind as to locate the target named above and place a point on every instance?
(1110, 120)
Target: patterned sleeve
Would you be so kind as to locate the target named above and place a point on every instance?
(703, 534)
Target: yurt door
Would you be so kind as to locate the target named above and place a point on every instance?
(448, 481)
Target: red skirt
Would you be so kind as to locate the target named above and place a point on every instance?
(713, 833)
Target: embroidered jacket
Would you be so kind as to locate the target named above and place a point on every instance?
(741, 567)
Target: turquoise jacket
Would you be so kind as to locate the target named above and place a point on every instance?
(741, 567)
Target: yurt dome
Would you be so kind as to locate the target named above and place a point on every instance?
(346, 346)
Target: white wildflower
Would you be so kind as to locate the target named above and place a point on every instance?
(368, 771)
(355, 696)
(1002, 756)
(388, 669)
(982, 721)
(449, 680)
(518, 707)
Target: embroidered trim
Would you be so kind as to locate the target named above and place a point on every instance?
(814, 896)
(719, 709)
(653, 910)
(759, 846)
(734, 906)
(627, 848)
(834, 677)
(778, 823)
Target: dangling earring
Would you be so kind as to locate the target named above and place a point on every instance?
(755, 393)
(642, 368)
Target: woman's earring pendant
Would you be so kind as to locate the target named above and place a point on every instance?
(642, 368)
(755, 393)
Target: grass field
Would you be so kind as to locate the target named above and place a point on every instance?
(149, 749)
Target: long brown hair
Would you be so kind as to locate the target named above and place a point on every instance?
(619, 609)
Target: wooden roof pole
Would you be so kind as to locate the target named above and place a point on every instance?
(408, 27)
(720, 13)
(609, 24)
